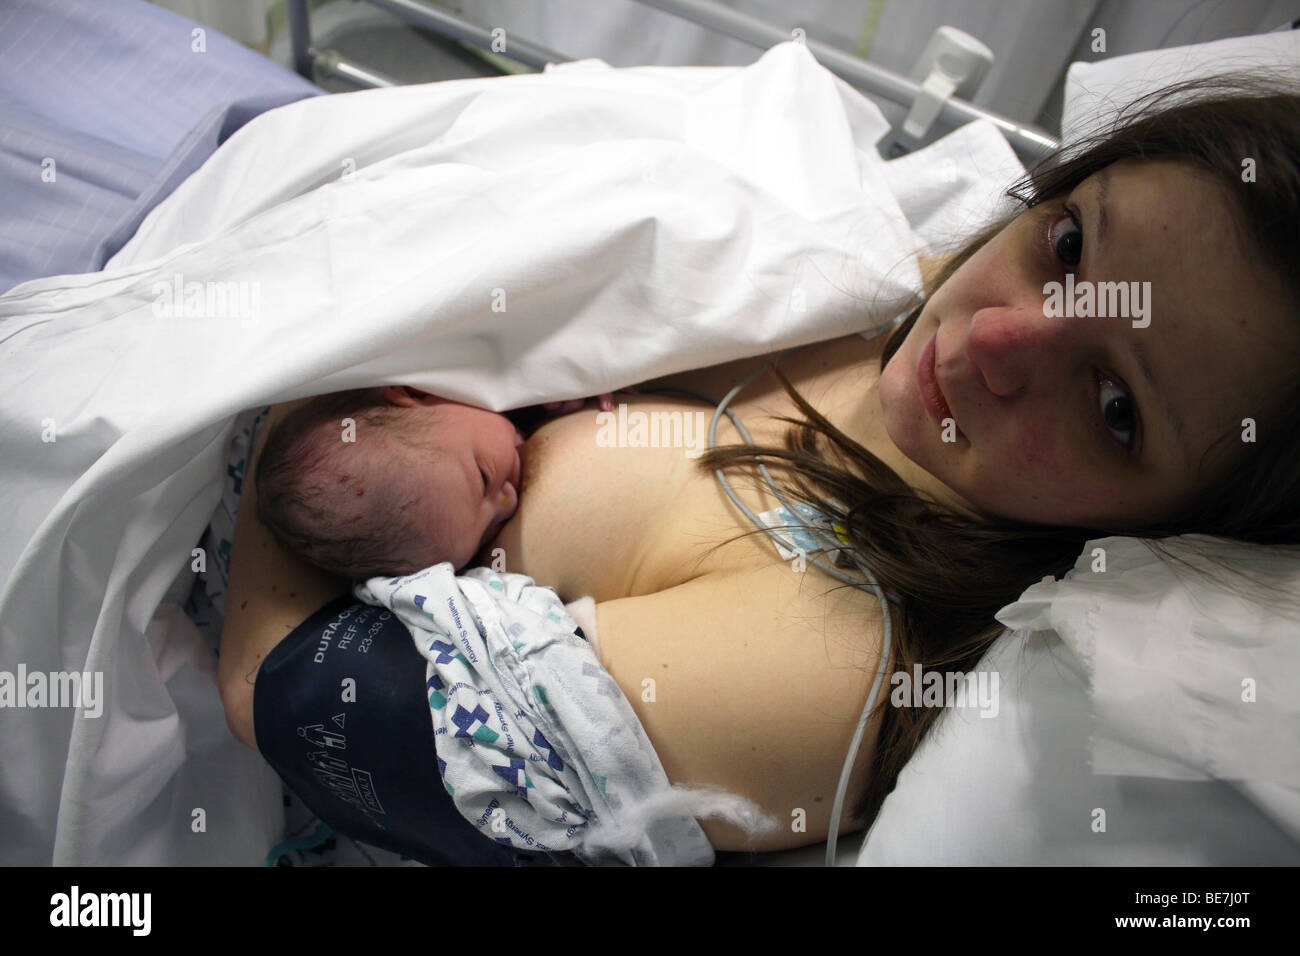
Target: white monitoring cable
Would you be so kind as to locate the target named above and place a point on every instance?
(837, 807)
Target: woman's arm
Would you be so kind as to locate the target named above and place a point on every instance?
(270, 592)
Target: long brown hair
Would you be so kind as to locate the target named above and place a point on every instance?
(952, 573)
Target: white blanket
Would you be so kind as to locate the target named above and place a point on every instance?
(501, 242)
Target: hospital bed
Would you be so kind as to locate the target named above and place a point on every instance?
(130, 153)
(85, 82)
(129, 148)
(947, 73)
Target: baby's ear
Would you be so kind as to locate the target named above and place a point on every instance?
(407, 397)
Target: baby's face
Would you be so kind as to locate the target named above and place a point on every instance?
(471, 488)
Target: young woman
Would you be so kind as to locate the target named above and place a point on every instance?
(975, 447)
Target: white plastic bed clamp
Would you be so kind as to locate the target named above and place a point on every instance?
(953, 64)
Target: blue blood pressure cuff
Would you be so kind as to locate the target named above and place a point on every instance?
(340, 712)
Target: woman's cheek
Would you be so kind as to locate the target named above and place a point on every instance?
(1041, 456)
(1026, 464)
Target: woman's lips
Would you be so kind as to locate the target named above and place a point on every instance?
(931, 394)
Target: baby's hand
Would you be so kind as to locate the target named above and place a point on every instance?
(605, 402)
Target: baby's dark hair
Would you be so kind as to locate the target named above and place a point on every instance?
(308, 471)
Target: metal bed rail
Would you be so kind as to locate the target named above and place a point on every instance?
(1030, 142)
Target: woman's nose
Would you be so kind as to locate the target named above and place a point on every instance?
(1010, 345)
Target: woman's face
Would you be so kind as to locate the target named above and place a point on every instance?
(1092, 421)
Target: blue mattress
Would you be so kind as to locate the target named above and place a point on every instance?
(105, 108)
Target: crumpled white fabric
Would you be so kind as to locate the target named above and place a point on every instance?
(1189, 680)
(956, 185)
(536, 743)
(1122, 737)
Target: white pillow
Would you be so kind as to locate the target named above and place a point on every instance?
(1095, 92)
(1121, 736)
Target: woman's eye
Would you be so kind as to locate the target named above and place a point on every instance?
(1066, 240)
(1118, 412)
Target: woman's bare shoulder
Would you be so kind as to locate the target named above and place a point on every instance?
(753, 682)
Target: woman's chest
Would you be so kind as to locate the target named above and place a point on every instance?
(616, 505)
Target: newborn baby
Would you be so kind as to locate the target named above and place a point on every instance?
(387, 481)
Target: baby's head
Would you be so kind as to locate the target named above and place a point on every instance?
(414, 480)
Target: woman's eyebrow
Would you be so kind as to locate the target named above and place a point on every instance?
(1102, 178)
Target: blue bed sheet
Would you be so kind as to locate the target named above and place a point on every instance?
(106, 106)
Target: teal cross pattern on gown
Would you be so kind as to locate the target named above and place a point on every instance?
(514, 774)
(476, 719)
(446, 651)
(437, 699)
(552, 760)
